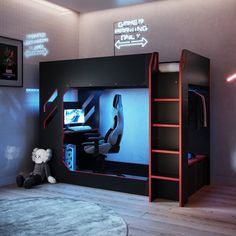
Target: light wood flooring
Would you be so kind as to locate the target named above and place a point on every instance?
(210, 211)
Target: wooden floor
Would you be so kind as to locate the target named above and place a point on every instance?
(211, 211)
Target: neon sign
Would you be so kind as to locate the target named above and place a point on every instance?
(130, 33)
(232, 77)
(35, 44)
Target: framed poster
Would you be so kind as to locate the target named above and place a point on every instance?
(11, 62)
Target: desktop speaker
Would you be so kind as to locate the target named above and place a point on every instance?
(70, 156)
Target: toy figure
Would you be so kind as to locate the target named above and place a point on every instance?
(41, 170)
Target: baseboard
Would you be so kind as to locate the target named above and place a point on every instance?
(7, 180)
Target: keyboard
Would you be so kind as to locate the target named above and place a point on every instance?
(80, 128)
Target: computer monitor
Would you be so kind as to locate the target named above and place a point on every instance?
(74, 116)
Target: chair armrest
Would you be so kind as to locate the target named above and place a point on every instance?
(87, 144)
(95, 139)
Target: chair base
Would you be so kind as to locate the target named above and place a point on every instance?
(99, 164)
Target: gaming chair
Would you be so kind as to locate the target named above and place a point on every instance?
(100, 146)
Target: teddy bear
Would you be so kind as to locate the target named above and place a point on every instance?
(41, 170)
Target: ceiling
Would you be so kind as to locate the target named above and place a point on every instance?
(83, 6)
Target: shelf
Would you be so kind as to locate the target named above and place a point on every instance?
(165, 164)
(196, 159)
(166, 125)
(166, 85)
(164, 178)
(163, 188)
(165, 112)
(165, 151)
(165, 138)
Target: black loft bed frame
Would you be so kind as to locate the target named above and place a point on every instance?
(130, 71)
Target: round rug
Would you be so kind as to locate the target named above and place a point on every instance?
(58, 216)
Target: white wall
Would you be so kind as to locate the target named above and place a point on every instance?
(18, 109)
(205, 27)
(135, 132)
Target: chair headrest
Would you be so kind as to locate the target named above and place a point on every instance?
(117, 101)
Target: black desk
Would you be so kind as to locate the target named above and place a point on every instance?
(77, 138)
(80, 131)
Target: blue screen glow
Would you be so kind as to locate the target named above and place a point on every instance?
(73, 116)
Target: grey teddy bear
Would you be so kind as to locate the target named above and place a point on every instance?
(41, 170)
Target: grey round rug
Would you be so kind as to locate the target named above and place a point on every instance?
(58, 216)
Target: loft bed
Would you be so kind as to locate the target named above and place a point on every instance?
(172, 138)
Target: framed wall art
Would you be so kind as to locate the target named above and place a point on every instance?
(11, 62)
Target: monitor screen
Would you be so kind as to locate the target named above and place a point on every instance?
(74, 116)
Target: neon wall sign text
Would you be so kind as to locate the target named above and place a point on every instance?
(130, 33)
(35, 44)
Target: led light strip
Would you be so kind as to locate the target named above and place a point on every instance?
(232, 77)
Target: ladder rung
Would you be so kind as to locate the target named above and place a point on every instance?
(166, 99)
(164, 178)
(166, 125)
(165, 151)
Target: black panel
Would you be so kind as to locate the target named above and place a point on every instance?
(196, 69)
(192, 179)
(198, 176)
(123, 184)
(120, 71)
(50, 117)
(72, 105)
(195, 75)
(127, 168)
